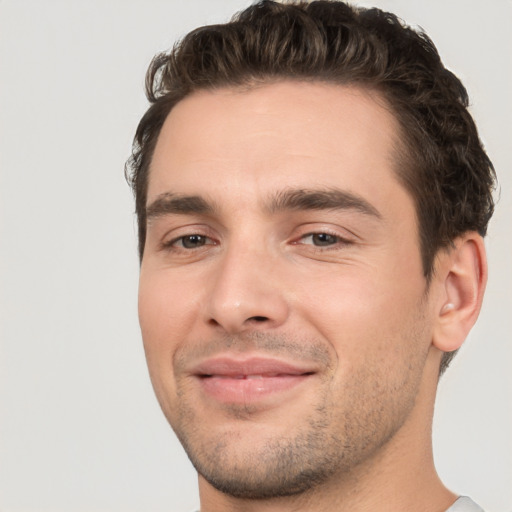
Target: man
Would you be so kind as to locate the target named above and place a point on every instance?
(311, 195)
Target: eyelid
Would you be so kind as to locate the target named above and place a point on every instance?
(174, 235)
(338, 237)
(172, 242)
(310, 229)
(338, 244)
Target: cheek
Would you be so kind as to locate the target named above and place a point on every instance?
(380, 338)
(362, 315)
(163, 321)
(166, 306)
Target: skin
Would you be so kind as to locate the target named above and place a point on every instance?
(235, 266)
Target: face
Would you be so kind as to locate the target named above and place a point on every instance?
(282, 302)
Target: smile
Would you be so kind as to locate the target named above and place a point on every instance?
(246, 381)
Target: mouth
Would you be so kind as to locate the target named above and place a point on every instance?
(229, 380)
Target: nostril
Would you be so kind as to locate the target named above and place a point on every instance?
(259, 318)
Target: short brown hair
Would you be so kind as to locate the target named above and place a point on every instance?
(441, 163)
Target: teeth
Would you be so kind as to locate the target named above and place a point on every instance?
(253, 377)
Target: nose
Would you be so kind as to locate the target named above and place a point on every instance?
(246, 293)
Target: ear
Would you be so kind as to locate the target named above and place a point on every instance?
(461, 275)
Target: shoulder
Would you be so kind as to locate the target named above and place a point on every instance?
(465, 504)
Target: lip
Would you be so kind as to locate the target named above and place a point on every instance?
(242, 381)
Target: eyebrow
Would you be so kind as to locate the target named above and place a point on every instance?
(287, 200)
(169, 203)
(321, 199)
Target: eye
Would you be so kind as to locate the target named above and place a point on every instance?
(321, 239)
(193, 241)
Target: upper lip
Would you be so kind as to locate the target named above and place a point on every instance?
(227, 366)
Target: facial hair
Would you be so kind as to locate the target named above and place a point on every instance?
(348, 422)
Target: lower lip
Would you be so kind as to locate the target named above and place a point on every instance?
(243, 391)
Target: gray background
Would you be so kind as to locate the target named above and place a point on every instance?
(80, 429)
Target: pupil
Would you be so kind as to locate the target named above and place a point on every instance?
(193, 241)
(323, 239)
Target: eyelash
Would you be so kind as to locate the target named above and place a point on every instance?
(172, 244)
(179, 242)
(337, 242)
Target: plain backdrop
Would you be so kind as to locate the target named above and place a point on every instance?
(80, 429)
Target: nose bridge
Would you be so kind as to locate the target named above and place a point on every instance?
(246, 292)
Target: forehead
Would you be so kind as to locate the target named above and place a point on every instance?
(288, 133)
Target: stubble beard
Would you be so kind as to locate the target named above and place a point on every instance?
(324, 446)
(281, 466)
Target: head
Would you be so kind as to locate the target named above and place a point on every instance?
(440, 159)
(336, 308)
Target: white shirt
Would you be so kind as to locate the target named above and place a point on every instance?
(465, 504)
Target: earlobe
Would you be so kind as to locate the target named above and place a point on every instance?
(462, 276)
